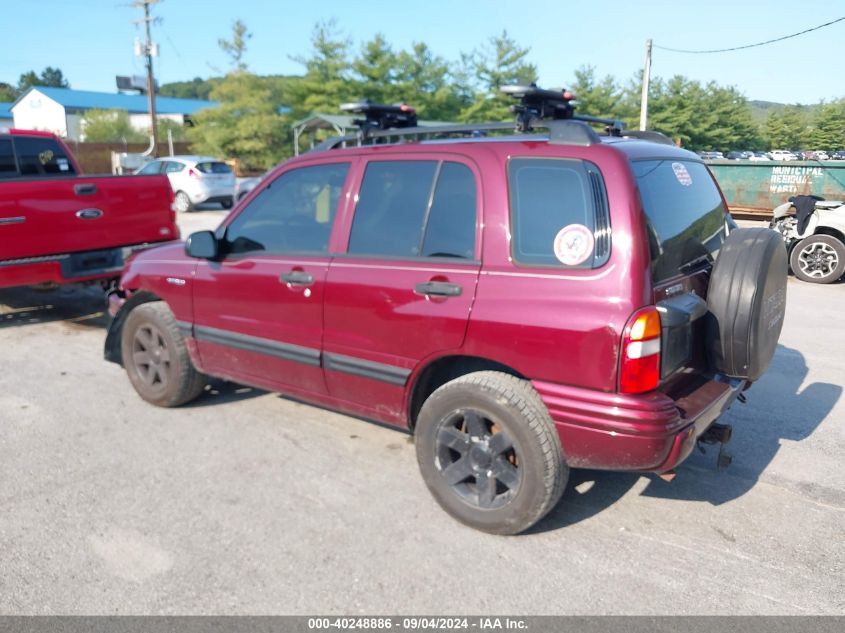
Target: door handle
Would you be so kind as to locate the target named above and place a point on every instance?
(439, 288)
(85, 190)
(89, 214)
(297, 278)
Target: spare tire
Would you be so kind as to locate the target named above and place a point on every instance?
(747, 302)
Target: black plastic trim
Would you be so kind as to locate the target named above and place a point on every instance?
(286, 351)
(366, 369)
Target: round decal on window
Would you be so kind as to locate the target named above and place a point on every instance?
(682, 174)
(573, 244)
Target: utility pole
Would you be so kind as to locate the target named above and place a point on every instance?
(646, 81)
(149, 51)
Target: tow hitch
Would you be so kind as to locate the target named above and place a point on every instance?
(717, 434)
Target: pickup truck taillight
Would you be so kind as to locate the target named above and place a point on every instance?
(639, 365)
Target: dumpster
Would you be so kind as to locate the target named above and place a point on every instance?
(754, 188)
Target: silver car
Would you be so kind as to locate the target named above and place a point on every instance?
(195, 180)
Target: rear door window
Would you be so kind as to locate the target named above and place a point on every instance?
(8, 168)
(42, 156)
(214, 168)
(685, 214)
(558, 213)
(415, 208)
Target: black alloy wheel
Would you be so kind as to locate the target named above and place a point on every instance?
(477, 459)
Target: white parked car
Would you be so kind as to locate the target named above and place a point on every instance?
(195, 180)
(782, 154)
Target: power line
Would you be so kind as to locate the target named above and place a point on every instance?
(739, 48)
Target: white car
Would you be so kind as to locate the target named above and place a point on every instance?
(195, 180)
(782, 154)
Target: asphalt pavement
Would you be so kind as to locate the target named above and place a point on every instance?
(248, 502)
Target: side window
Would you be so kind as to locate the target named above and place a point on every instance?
(150, 168)
(294, 213)
(558, 213)
(415, 209)
(450, 231)
(8, 168)
(173, 167)
(42, 156)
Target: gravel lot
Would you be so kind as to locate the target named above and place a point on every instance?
(246, 502)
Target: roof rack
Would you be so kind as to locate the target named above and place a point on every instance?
(380, 117)
(538, 103)
(553, 110)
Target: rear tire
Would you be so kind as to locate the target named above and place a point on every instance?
(182, 202)
(489, 452)
(818, 259)
(156, 358)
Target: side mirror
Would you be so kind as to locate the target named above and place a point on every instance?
(202, 244)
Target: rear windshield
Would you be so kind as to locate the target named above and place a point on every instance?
(42, 156)
(684, 212)
(214, 168)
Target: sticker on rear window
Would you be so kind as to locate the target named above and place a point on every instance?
(63, 164)
(573, 244)
(682, 174)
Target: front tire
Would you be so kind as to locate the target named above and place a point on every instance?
(818, 259)
(182, 202)
(156, 358)
(489, 452)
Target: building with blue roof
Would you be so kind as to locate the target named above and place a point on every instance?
(60, 110)
(6, 117)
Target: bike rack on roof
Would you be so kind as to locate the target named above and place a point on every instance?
(538, 108)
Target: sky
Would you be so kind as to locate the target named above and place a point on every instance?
(91, 41)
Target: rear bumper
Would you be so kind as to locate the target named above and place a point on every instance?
(648, 432)
(66, 268)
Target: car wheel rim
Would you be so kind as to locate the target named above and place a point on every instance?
(182, 202)
(151, 357)
(477, 459)
(818, 260)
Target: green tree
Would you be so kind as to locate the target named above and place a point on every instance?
(786, 128)
(245, 126)
(7, 92)
(601, 98)
(374, 71)
(327, 81)
(110, 126)
(50, 77)
(424, 80)
(701, 117)
(196, 88)
(499, 63)
(177, 130)
(827, 129)
(235, 48)
(53, 77)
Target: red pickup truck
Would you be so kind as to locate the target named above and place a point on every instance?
(58, 226)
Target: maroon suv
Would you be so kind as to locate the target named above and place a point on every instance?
(523, 304)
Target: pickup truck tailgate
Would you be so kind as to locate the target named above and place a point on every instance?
(52, 216)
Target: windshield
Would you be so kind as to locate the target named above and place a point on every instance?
(684, 212)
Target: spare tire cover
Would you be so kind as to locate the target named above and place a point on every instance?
(747, 302)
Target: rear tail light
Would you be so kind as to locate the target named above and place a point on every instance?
(195, 173)
(639, 366)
